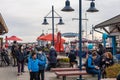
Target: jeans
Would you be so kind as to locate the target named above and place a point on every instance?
(41, 73)
(20, 66)
(95, 71)
(33, 75)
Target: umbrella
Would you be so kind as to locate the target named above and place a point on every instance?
(14, 38)
(39, 38)
(48, 37)
(59, 43)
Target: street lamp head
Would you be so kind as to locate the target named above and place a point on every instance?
(67, 7)
(92, 7)
(60, 22)
(45, 22)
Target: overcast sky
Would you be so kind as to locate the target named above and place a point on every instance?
(24, 17)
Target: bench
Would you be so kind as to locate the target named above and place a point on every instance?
(70, 73)
(66, 69)
(109, 79)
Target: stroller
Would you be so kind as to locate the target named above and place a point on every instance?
(4, 57)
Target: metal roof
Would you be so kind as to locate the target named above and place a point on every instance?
(113, 21)
(3, 26)
(70, 35)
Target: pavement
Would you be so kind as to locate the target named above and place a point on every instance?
(10, 73)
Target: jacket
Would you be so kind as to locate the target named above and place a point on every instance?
(53, 56)
(42, 57)
(20, 55)
(89, 63)
(33, 64)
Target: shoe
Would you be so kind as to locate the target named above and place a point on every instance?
(18, 74)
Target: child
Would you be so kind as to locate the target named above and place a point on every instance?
(33, 66)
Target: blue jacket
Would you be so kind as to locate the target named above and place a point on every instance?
(89, 63)
(42, 57)
(33, 64)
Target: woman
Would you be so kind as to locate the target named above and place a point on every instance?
(52, 58)
(107, 61)
(20, 55)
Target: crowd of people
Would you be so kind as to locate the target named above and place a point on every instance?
(41, 58)
(37, 58)
(97, 60)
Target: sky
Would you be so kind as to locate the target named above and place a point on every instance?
(24, 18)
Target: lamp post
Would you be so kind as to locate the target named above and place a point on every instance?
(60, 21)
(92, 32)
(91, 9)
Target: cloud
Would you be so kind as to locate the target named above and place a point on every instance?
(24, 17)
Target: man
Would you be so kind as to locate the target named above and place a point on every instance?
(90, 67)
(13, 49)
(42, 57)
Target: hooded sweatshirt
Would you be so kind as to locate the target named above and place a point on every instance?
(33, 64)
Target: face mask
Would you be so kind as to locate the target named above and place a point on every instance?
(22, 48)
(40, 52)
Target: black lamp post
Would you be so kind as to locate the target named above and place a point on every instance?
(45, 22)
(91, 9)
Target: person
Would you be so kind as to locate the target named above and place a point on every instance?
(33, 66)
(106, 61)
(90, 67)
(41, 56)
(4, 56)
(67, 50)
(20, 55)
(97, 61)
(52, 58)
(72, 58)
(101, 49)
(13, 49)
(46, 50)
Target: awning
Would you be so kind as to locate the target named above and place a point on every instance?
(113, 21)
(3, 27)
(110, 26)
(70, 35)
(14, 38)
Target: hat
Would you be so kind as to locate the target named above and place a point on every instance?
(52, 47)
(90, 46)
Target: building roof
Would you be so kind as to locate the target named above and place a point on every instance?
(3, 26)
(113, 21)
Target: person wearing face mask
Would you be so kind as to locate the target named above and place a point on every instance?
(20, 55)
(42, 57)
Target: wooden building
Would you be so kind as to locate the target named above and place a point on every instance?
(3, 29)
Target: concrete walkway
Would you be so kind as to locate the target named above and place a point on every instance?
(10, 73)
